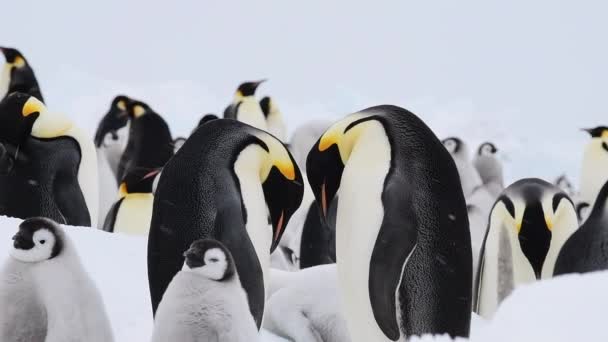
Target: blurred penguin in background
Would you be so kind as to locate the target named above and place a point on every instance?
(274, 118)
(489, 168)
(305, 137)
(17, 75)
(469, 177)
(595, 163)
(245, 107)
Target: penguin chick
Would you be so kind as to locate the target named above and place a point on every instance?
(585, 251)
(489, 168)
(17, 75)
(274, 118)
(582, 211)
(564, 183)
(595, 163)
(205, 300)
(305, 306)
(529, 224)
(245, 107)
(73, 306)
(469, 177)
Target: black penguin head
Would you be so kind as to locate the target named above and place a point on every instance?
(13, 57)
(211, 259)
(38, 239)
(597, 132)
(248, 89)
(582, 211)
(454, 145)
(137, 109)
(115, 119)
(17, 117)
(138, 181)
(266, 104)
(207, 118)
(486, 149)
(326, 160)
(599, 138)
(537, 213)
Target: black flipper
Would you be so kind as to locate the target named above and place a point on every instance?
(110, 220)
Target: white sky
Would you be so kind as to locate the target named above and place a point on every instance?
(524, 74)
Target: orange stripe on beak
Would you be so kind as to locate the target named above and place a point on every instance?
(323, 200)
(279, 227)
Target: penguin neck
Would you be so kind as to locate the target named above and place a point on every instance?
(5, 80)
(251, 113)
(564, 226)
(247, 169)
(593, 171)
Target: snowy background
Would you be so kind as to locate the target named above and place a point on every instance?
(524, 74)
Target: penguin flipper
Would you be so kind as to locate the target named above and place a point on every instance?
(108, 223)
(394, 245)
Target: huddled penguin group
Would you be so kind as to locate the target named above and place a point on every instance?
(368, 228)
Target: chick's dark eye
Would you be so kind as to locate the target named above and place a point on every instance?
(42, 242)
(214, 259)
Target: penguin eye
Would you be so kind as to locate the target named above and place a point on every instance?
(557, 200)
(508, 204)
(42, 242)
(214, 259)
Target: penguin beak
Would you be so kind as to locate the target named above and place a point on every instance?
(283, 193)
(324, 171)
(21, 242)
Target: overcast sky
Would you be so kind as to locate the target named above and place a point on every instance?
(524, 74)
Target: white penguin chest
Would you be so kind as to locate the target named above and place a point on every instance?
(251, 113)
(594, 172)
(5, 79)
(359, 218)
(135, 214)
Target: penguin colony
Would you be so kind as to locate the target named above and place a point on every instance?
(369, 228)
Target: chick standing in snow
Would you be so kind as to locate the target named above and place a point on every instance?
(469, 177)
(205, 300)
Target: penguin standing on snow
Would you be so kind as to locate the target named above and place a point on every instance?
(230, 182)
(17, 75)
(53, 169)
(150, 144)
(133, 211)
(585, 250)
(529, 224)
(245, 107)
(402, 234)
(274, 118)
(595, 164)
(205, 300)
(44, 263)
(469, 177)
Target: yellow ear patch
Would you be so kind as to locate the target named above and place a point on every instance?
(19, 62)
(278, 156)
(121, 105)
(33, 105)
(286, 168)
(604, 134)
(549, 222)
(122, 190)
(328, 139)
(138, 111)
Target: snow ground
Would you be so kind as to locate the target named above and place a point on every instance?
(569, 308)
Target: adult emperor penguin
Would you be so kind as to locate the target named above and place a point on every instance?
(585, 250)
(150, 144)
(529, 224)
(245, 107)
(489, 168)
(132, 213)
(45, 270)
(469, 177)
(205, 300)
(230, 182)
(17, 75)
(595, 163)
(54, 171)
(274, 118)
(402, 234)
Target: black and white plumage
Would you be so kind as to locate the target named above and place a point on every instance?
(245, 107)
(274, 118)
(17, 75)
(230, 182)
(529, 224)
(397, 212)
(205, 300)
(489, 168)
(469, 176)
(595, 163)
(304, 306)
(60, 298)
(585, 251)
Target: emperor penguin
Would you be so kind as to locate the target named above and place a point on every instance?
(529, 224)
(304, 137)
(245, 107)
(54, 171)
(469, 176)
(595, 163)
(585, 251)
(230, 182)
(403, 245)
(150, 144)
(206, 118)
(56, 283)
(274, 118)
(17, 75)
(110, 141)
(132, 213)
(205, 300)
(305, 306)
(489, 168)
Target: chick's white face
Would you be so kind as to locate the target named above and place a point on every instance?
(451, 145)
(486, 150)
(43, 241)
(215, 265)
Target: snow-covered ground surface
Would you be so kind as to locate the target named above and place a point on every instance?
(569, 308)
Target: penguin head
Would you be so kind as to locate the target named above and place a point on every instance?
(582, 211)
(211, 259)
(486, 149)
(456, 147)
(137, 109)
(14, 58)
(138, 182)
(37, 240)
(47, 124)
(538, 216)
(247, 89)
(206, 118)
(599, 139)
(282, 183)
(327, 158)
(16, 122)
(115, 119)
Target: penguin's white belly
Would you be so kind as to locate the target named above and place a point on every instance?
(593, 176)
(134, 214)
(5, 79)
(359, 217)
(250, 113)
